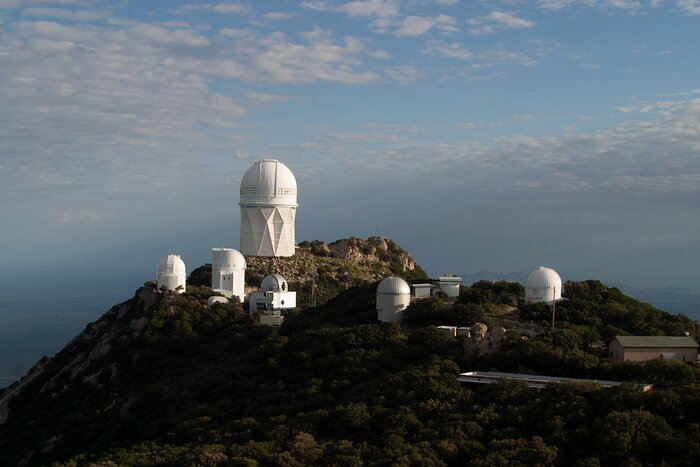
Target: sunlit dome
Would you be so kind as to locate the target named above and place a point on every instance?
(228, 258)
(274, 283)
(269, 181)
(394, 286)
(543, 284)
(171, 274)
(171, 264)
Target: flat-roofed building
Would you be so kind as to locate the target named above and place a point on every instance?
(643, 348)
(536, 381)
(423, 290)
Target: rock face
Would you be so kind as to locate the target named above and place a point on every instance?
(479, 340)
(329, 268)
(374, 249)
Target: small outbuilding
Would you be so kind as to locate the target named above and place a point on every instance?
(449, 285)
(643, 348)
(423, 290)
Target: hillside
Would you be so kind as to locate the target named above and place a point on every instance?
(162, 380)
(331, 267)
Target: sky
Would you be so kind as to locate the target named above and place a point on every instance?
(479, 135)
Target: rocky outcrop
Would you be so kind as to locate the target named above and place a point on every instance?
(373, 249)
(479, 340)
(333, 267)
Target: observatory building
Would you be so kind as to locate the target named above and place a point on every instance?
(272, 299)
(543, 285)
(268, 209)
(228, 272)
(171, 273)
(393, 296)
(449, 285)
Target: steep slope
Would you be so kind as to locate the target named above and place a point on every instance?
(162, 380)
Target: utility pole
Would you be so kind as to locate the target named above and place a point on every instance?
(554, 308)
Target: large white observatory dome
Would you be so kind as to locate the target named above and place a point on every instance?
(543, 285)
(268, 209)
(269, 181)
(393, 296)
(171, 273)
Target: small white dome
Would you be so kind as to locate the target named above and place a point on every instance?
(274, 283)
(543, 278)
(269, 181)
(394, 286)
(228, 258)
(171, 264)
(543, 284)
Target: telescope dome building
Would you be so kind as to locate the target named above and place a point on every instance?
(393, 296)
(543, 285)
(228, 271)
(268, 209)
(171, 273)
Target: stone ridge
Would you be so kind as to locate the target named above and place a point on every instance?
(336, 266)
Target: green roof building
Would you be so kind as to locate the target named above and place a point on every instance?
(643, 348)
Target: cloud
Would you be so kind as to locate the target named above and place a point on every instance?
(689, 6)
(358, 8)
(499, 56)
(279, 16)
(497, 20)
(165, 36)
(419, 25)
(278, 59)
(451, 50)
(74, 15)
(265, 98)
(129, 107)
(9, 4)
(222, 8)
(415, 26)
(555, 5)
(403, 74)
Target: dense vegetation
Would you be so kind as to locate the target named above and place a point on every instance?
(192, 386)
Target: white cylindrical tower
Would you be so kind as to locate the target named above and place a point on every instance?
(393, 296)
(268, 209)
(171, 273)
(228, 271)
(543, 285)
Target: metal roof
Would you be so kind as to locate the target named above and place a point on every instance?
(537, 381)
(656, 341)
